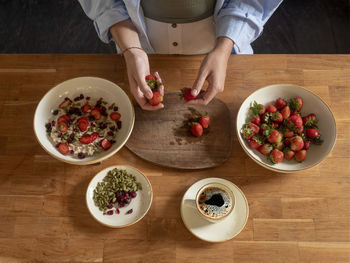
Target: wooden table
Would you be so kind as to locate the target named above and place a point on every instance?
(301, 217)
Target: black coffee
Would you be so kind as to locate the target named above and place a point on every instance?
(214, 202)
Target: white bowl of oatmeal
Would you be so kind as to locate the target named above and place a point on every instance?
(84, 120)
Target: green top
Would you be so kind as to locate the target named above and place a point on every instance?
(178, 11)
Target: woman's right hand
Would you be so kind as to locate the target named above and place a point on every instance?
(138, 68)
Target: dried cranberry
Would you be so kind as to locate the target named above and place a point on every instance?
(112, 128)
(57, 145)
(133, 194)
(66, 98)
(117, 210)
(110, 133)
(121, 204)
(110, 212)
(53, 123)
(110, 206)
(81, 96)
(71, 151)
(91, 118)
(119, 124)
(127, 200)
(48, 125)
(115, 108)
(55, 112)
(76, 98)
(59, 135)
(112, 141)
(87, 98)
(81, 155)
(129, 211)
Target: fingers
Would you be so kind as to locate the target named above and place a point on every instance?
(161, 88)
(208, 95)
(198, 83)
(141, 82)
(143, 102)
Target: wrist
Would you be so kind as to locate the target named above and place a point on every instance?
(224, 46)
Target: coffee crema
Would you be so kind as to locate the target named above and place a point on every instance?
(214, 202)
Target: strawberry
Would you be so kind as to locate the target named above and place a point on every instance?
(257, 109)
(277, 117)
(285, 112)
(65, 103)
(276, 156)
(306, 145)
(274, 137)
(300, 130)
(287, 142)
(96, 112)
(93, 136)
(296, 143)
(186, 94)
(310, 121)
(86, 108)
(105, 144)
(280, 103)
(265, 129)
(149, 77)
(278, 145)
(265, 149)
(156, 99)
(275, 125)
(288, 133)
(86, 139)
(312, 133)
(295, 121)
(83, 123)
(115, 116)
(197, 129)
(265, 118)
(295, 113)
(63, 127)
(300, 156)
(254, 143)
(63, 119)
(271, 108)
(63, 148)
(256, 120)
(288, 154)
(253, 127)
(296, 104)
(204, 121)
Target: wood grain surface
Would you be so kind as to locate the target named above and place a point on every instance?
(163, 137)
(298, 217)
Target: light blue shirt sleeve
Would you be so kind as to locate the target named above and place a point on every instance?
(243, 21)
(104, 14)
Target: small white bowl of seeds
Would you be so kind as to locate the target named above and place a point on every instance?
(119, 196)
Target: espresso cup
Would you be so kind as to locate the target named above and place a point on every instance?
(214, 202)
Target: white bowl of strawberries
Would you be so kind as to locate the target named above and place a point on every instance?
(84, 120)
(286, 128)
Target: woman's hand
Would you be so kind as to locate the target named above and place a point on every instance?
(213, 70)
(138, 68)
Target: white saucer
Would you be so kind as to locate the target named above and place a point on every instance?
(214, 232)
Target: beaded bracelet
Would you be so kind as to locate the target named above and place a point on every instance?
(131, 48)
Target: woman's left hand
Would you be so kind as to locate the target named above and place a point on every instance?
(213, 70)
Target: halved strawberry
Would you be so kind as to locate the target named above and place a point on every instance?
(65, 103)
(63, 148)
(86, 108)
(93, 136)
(63, 127)
(186, 94)
(96, 112)
(63, 119)
(86, 139)
(115, 116)
(105, 144)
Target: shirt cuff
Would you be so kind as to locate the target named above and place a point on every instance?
(106, 20)
(242, 29)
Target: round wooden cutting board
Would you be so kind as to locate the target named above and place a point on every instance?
(163, 137)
